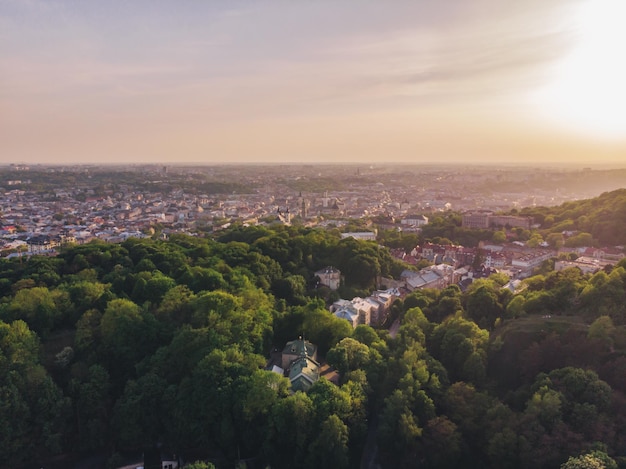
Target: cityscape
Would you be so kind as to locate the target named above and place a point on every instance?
(43, 207)
(345, 235)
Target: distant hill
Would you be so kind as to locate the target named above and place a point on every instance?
(604, 217)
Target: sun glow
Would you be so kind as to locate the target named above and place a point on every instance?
(587, 90)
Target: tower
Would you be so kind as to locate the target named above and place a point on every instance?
(303, 211)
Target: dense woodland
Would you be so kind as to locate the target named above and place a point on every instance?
(601, 220)
(113, 348)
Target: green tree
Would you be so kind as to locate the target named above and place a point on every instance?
(199, 278)
(555, 240)
(443, 445)
(291, 288)
(291, 429)
(535, 240)
(499, 237)
(330, 447)
(33, 410)
(461, 346)
(121, 325)
(602, 329)
(398, 431)
(348, 354)
(91, 402)
(141, 414)
(38, 307)
(176, 307)
(199, 465)
(128, 335)
(545, 407)
(593, 460)
(484, 307)
(208, 406)
(88, 334)
(314, 321)
(515, 307)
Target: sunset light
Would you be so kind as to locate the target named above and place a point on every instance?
(312, 234)
(273, 81)
(587, 88)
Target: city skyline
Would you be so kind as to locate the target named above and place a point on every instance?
(480, 81)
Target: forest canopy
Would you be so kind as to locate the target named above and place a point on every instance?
(112, 348)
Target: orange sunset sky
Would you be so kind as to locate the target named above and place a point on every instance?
(346, 81)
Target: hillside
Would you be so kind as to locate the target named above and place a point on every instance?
(603, 217)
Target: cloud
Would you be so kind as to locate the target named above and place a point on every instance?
(175, 68)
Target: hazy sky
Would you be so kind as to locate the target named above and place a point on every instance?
(312, 81)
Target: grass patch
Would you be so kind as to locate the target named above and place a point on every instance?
(540, 324)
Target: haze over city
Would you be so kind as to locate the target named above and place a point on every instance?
(472, 81)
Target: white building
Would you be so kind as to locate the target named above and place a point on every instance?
(364, 235)
(330, 277)
(529, 261)
(587, 265)
(370, 310)
(414, 220)
(357, 311)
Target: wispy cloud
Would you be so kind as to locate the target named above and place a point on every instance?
(133, 67)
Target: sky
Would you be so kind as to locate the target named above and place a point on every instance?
(312, 81)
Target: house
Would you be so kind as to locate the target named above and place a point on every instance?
(439, 277)
(349, 313)
(300, 362)
(384, 300)
(444, 254)
(295, 349)
(303, 373)
(370, 310)
(329, 277)
(357, 311)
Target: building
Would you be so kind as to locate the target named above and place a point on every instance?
(445, 254)
(495, 259)
(303, 373)
(476, 220)
(356, 311)
(299, 359)
(295, 349)
(414, 220)
(485, 219)
(384, 300)
(526, 262)
(329, 277)
(605, 253)
(437, 276)
(587, 265)
(364, 235)
(371, 310)
(512, 221)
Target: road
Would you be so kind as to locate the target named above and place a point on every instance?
(393, 330)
